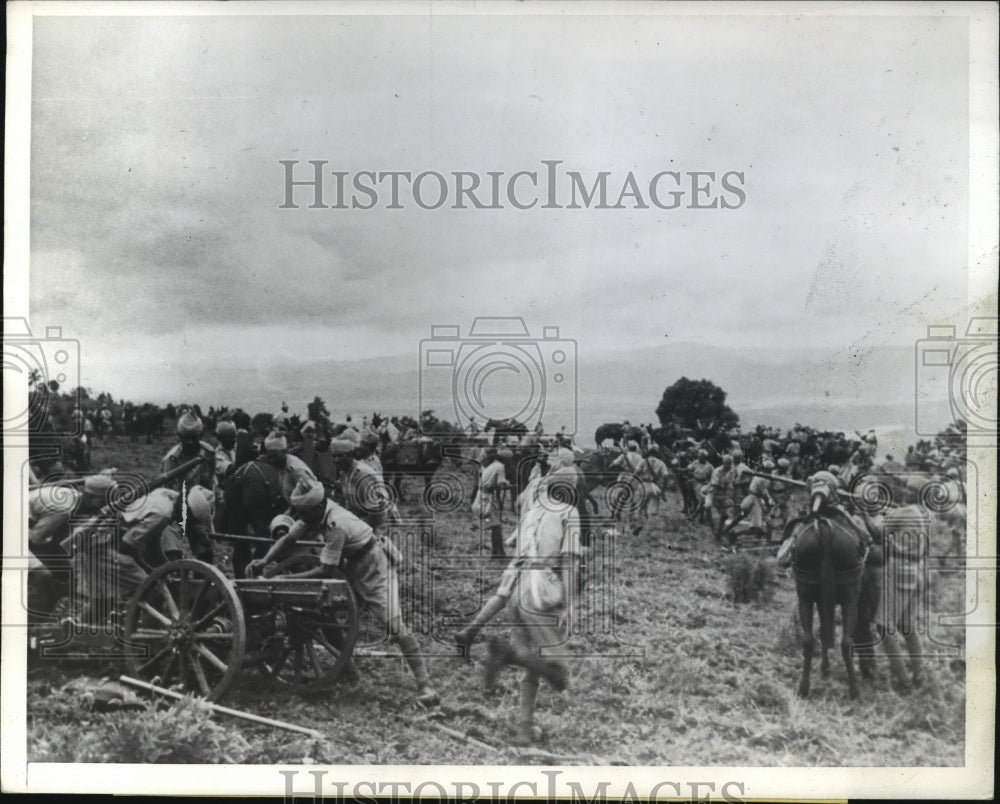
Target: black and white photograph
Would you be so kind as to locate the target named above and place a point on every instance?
(496, 400)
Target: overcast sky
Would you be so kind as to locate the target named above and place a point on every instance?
(158, 241)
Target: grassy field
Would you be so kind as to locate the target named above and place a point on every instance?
(666, 670)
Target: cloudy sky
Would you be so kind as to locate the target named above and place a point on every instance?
(158, 240)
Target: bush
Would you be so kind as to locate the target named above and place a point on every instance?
(751, 579)
(769, 696)
(182, 733)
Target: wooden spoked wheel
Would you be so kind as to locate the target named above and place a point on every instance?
(190, 621)
(317, 641)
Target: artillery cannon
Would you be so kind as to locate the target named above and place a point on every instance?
(188, 625)
(199, 629)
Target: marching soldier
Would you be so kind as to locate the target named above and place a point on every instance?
(628, 504)
(535, 590)
(719, 495)
(701, 476)
(492, 478)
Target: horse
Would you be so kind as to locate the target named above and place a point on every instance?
(506, 428)
(253, 497)
(147, 421)
(829, 558)
(421, 457)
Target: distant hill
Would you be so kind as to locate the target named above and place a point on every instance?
(783, 386)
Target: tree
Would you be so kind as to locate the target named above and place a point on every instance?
(698, 405)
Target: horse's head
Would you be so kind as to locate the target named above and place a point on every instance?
(823, 487)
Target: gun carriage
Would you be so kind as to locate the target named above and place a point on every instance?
(189, 626)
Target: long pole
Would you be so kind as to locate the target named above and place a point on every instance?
(801, 484)
(236, 537)
(223, 710)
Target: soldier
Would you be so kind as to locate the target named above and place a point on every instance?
(681, 466)
(189, 428)
(492, 479)
(720, 495)
(701, 476)
(157, 524)
(742, 475)
(549, 484)
(545, 572)
(362, 490)
(793, 450)
(652, 478)
(109, 570)
(281, 418)
(758, 501)
(628, 505)
(367, 562)
(225, 457)
(50, 509)
(367, 453)
(290, 468)
(903, 535)
(105, 420)
(781, 493)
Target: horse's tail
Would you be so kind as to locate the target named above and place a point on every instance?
(827, 582)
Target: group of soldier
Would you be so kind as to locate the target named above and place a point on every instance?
(123, 540)
(110, 557)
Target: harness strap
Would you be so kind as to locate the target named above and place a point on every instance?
(844, 576)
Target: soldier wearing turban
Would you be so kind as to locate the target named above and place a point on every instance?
(362, 489)
(368, 563)
(291, 469)
(190, 446)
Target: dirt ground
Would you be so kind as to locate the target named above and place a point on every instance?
(665, 669)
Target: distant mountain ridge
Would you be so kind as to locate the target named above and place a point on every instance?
(779, 386)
